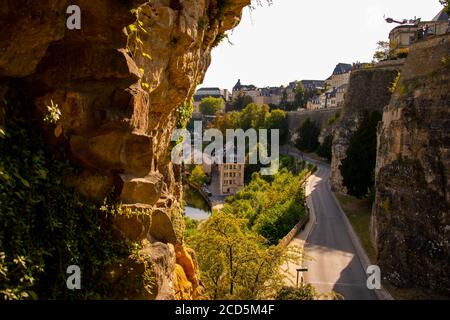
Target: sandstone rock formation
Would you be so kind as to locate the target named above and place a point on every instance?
(368, 91)
(119, 90)
(411, 213)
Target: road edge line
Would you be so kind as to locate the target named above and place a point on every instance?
(382, 293)
(312, 214)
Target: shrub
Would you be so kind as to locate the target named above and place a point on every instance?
(210, 106)
(324, 149)
(198, 176)
(358, 167)
(308, 136)
(305, 292)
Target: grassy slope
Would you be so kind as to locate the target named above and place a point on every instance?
(358, 212)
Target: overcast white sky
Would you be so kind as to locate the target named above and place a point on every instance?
(305, 39)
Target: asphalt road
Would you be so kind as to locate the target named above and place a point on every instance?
(335, 265)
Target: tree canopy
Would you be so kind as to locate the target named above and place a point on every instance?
(272, 208)
(210, 106)
(254, 117)
(358, 167)
(324, 149)
(235, 262)
(198, 176)
(241, 102)
(308, 136)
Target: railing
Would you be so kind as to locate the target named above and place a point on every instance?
(431, 31)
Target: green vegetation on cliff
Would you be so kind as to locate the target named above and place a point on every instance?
(324, 150)
(358, 167)
(46, 227)
(308, 136)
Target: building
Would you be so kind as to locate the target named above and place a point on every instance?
(231, 178)
(401, 37)
(340, 76)
(337, 85)
(273, 95)
(323, 100)
(268, 95)
(244, 90)
(313, 85)
(340, 94)
(210, 92)
(313, 103)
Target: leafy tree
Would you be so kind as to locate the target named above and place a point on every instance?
(300, 96)
(308, 136)
(241, 102)
(197, 176)
(358, 167)
(254, 116)
(272, 208)
(277, 120)
(324, 149)
(383, 51)
(229, 120)
(236, 263)
(210, 106)
(279, 218)
(191, 228)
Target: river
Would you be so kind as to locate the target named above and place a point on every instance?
(196, 207)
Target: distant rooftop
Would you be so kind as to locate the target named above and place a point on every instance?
(342, 68)
(239, 86)
(442, 16)
(208, 89)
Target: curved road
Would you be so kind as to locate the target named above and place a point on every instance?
(335, 265)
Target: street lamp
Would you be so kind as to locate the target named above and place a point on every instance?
(298, 273)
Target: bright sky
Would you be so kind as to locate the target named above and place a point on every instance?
(305, 39)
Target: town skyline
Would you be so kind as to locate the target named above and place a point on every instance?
(254, 42)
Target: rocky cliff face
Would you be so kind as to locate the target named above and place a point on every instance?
(368, 91)
(122, 83)
(412, 209)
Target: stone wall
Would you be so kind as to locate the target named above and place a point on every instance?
(321, 117)
(411, 213)
(118, 94)
(368, 91)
